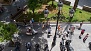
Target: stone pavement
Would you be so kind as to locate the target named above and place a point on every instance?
(77, 44)
(41, 38)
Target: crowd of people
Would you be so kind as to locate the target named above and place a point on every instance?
(67, 35)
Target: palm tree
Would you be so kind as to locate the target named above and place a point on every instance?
(75, 4)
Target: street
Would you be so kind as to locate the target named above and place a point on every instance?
(41, 38)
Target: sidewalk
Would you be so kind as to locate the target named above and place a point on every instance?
(77, 44)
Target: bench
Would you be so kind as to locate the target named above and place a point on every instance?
(86, 8)
(16, 15)
(67, 2)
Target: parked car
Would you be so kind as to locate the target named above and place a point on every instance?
(31, 31)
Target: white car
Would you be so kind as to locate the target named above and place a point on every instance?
(31, 31)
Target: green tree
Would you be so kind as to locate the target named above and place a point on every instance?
(46, 1)
(52, 2)
(33, 4)
(7, 30)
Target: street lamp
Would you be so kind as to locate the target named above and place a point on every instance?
(71, 13)
(60, 5)
(46, 12)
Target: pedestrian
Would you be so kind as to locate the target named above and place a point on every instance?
(85, 38)
(31, 24)
(58, 28)
(67, 45)
(24, 21)
(61, 31)
(81, 23)
(48, 25)
(64, 37)
(32, 20)
(68, 31)
(46, 47)
(82, 32)
(70, 36)
(18, 9)
(49, 31)
(43, 26)
(72, 28)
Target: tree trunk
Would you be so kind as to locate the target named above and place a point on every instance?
(33, 11)
(75, 4)
(52, 2)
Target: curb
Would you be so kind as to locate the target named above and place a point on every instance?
(59, 22)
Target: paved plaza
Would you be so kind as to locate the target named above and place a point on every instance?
(77, 44)
(41, 38)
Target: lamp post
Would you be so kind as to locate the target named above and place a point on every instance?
(71, 13)
(46, 12)
(60, 5)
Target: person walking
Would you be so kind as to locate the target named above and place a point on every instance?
(81, 25)
(32, 20)
(82, 32)
(85, 38)
(72, 28)
(60, 29)
(49, 31)
(70, 36)
(43, 27)
(46, 47)
(18, 9)
(24, 21)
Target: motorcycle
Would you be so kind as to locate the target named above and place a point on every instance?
(17, 46)
(62, 47)
(37, 47)
(28, 46)
(46, 47)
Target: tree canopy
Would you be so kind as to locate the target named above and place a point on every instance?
(33, 4)
(7, 30)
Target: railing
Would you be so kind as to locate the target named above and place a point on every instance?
(16, 15)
